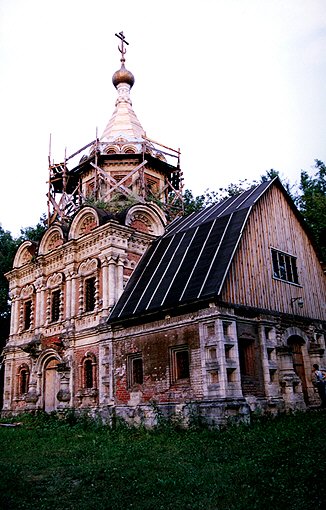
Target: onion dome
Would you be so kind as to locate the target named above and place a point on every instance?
(123, 76)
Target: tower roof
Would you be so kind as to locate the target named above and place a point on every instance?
(124, 125)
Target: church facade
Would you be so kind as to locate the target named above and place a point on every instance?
(127, 308)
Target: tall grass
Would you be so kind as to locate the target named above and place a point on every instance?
(48, 463)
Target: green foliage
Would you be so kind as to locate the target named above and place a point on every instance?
(195, 203)
(117, 204)
(275, 463)
(34, 233)
(8, 247)
(312, 203)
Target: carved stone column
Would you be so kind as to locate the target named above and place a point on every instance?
(111, 281)
(120, 267)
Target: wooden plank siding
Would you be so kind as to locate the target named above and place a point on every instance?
(250, 282)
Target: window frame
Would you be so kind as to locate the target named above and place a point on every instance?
(55, 305)
(20, 388)
(175, 361)
(90, 298)
(89, 363)
(132, 374)
(27, 314)
(284, 267)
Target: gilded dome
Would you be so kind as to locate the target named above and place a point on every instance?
(123, 76)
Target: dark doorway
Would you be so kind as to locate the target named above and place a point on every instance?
(250, 367)
(296, 343)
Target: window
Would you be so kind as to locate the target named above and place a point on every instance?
(135, 369)
(55, 305)
(89, 371)
(27, 314)
(90, 289)
(284, 267)
(23, 380)
(180, 363)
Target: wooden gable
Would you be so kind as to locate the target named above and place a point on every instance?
(275, 224)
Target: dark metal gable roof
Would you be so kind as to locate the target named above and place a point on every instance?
(190, 262)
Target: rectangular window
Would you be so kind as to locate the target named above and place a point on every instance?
(284, 267)
(135, 369)
(27, 314)
(55, 305)
(90, 294)
(180, 363)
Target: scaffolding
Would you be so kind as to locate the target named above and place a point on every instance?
(65, 195)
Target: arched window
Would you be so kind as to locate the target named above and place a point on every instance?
(23, 380)
(88, 376)
(88, 373)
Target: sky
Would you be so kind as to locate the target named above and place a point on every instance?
(237, 85)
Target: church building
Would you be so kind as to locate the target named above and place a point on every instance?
(127, 308)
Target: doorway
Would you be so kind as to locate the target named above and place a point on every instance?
(51, 386)
(296, 343)
(250, 367)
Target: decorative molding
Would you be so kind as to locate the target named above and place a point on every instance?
(27, 291)
(54, 281)
(88, 267)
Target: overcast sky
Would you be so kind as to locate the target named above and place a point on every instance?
(238, 85)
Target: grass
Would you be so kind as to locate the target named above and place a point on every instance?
(47, 463)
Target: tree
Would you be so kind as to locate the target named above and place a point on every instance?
(193, 204)
(34, 233)
(312, 204)
(8, 247)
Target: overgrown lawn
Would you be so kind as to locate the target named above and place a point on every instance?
(277, 463)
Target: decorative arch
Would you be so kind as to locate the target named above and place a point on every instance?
(128, 149)
(44, 359)
(146, 218)
(24, 254)
(112, 149)
(84, 222)
(295, 332)
(51, 240)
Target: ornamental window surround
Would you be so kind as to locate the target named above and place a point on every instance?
(89, 286)
(55, 298)
(26, 311)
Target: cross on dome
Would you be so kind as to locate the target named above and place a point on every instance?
(123, 75)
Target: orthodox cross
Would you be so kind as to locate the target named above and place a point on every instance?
(122, 47)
